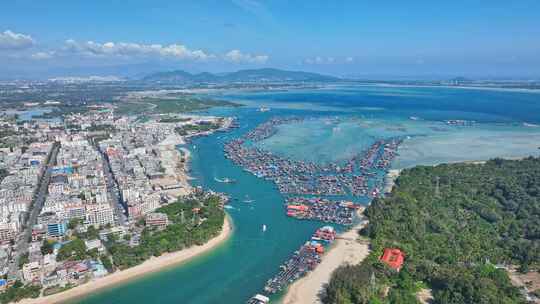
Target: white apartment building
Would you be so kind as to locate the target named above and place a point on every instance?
(99, 215)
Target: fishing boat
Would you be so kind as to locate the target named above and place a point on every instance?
(258, 299)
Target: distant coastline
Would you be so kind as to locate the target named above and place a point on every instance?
(500, 89)
(150, 266)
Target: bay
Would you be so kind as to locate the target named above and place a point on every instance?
(505, 126)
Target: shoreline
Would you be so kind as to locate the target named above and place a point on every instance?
(346, 250)
(390, 180)
(485, 88)
(150, 266)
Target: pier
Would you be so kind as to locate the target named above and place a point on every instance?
(320, 209)
(299, 264)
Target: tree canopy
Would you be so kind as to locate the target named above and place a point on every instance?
(459, 225)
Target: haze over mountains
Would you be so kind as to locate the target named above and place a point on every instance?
(251, 75)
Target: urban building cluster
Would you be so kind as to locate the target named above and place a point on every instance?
(146, 166)
(23, 169)
(77, 190)
(71, 184)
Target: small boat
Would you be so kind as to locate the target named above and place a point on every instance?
(248, 200)
(264, 109)
(225, 180)
(263, 228)
(259, 299)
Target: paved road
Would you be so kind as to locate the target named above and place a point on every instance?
(37, 203)
(119, 211)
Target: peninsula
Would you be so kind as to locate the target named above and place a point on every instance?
(464, 232)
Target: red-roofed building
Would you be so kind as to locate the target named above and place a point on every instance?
(393, 257)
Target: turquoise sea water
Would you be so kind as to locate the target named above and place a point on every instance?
(341, 121)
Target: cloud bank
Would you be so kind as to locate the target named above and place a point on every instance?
(16, 45)
(128, 49)
(237, 56)
(15, 41)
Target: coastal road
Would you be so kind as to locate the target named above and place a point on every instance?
(37, 203)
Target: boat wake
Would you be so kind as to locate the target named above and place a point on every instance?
(225, 180)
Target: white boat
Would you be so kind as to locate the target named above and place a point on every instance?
(225, 180)
(248, 200)
(264, 109)
(264, 228)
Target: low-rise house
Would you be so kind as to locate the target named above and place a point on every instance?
(39, 231)
(50, 280)
(79, 270)
(393, 257)
(98, 270)
(117, 231)
(94, 244)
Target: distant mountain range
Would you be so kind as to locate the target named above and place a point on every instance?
(253, 75)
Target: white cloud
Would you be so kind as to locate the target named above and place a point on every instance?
(328, 60)
(320, 60)
(237, 56)
(127, 49)
(43, 55)
(124, 50)
(15, 41)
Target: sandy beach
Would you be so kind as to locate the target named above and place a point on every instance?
(345, 250)
(150, 266)
(390, 180)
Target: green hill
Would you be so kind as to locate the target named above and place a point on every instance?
(459, 226)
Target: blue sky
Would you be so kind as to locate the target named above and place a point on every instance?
(366, 38)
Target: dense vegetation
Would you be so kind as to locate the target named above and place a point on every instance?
(192, 222)
(169, 104)
(196, 128)
(172, 119)
(18, 292)
(455, 223)
(185, 104)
